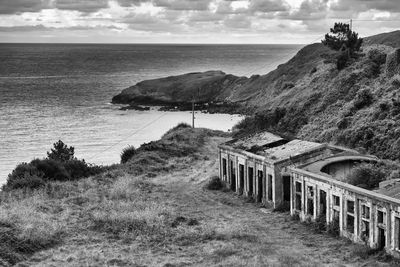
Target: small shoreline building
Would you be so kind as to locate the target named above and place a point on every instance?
(310, 178)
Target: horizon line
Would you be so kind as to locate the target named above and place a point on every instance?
(122, 43)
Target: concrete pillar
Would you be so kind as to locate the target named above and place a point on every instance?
(292, 194)
(357, 220)
(388, 227)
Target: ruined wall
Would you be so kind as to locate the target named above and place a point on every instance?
(363, 216)
(266, 180)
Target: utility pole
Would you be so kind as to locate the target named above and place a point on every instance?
(193, 100)
(351, 24)
(193, 112)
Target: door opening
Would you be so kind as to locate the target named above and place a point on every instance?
(381, 238)
(286, 187)
(233, 177)
(259, 185)
(250, 174)
(241, 178)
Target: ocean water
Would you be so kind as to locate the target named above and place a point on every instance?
(63, 91)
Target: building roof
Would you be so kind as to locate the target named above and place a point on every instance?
(288, 150)
(390, 188)
(317, 166)
(255, 140)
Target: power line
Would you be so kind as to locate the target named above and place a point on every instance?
(130, 135)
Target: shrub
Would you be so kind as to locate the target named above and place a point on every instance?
(214, 183)
(341, 61)
(127, 154)
(39, 171)
(26, 181)
(79, 168)
(366, 176)
(364, 98)
(377, 56)
(51, 169)
(61, 152)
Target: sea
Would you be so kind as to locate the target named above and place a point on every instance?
(51, 92)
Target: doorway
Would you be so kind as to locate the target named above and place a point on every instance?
(250, 174)
(233, 177)
(286, 187)
(322, 203)
(259, 185)
(241, 178)
(381, 238)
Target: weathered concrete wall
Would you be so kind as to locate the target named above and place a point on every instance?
(364, 216)
(267, 174)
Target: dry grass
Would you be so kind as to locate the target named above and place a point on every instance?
(118, 219)
(26, 226)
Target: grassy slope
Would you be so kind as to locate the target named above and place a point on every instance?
(154, 211)
(318, 101)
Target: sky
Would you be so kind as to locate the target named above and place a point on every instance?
(190, 21)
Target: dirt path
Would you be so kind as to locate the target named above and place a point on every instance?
(275, 239)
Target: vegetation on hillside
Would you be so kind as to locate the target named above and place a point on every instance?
(40, 197)
(142, 213)
(343, 39)
(60, 165)
(357, 107)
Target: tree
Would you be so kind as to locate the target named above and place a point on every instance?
(61, 152)
(343, 39)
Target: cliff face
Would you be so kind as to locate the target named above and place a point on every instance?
(307, 96)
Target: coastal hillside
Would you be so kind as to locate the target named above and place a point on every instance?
(156, 209)
(308, 97)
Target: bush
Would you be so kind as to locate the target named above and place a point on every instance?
(366, 176)
(214, 183)
(61, 152)
(55, 168)
(79, 169)
(341, 61)
(377, 56)
(24, 180)
(127, 154)
(364, 98)
(51, 169)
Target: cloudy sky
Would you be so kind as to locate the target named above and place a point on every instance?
(190, 21)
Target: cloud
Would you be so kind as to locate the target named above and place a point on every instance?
(266, 6)
(310, 10)
(86, 6)
(19, 6)
(240, 21)
(183, 4)
(128, 3)
(24, 28)
(364, 5)
(170, 4)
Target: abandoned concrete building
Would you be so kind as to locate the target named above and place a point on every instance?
(310, 177)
